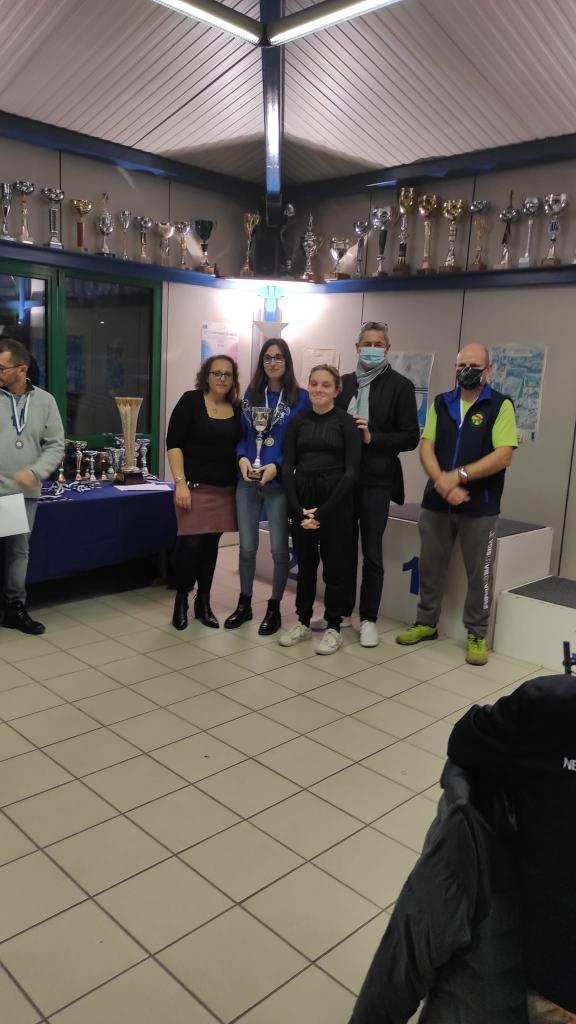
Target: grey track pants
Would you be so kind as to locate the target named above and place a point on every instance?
(438, 531)
(16, 558)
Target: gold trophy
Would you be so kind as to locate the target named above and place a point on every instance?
(453, 210)
(428, 206)
(406, 203)
(82, 207)
(129, 409)
(251, 222)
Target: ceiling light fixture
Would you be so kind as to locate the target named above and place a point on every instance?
(218, 15)
(321, 15)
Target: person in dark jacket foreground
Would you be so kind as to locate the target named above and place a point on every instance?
(481, 908)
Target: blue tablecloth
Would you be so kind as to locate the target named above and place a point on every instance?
(100, 527)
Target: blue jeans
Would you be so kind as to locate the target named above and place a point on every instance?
(251, 500)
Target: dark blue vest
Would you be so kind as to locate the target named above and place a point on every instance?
(457, 445)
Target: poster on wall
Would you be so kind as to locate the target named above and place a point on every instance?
(518, 371)
(313, 357)
(417, 366)
(218, 340)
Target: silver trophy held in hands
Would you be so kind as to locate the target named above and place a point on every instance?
(6, 193)
(380, 219)
(260, 417)
(24, 189)
(555, 204)
(530, 208)
(478, 210)
(54, 197)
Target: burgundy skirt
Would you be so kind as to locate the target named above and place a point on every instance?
(213, 511)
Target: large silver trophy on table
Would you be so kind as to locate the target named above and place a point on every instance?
(555, 204)
(6, 193)
(259, 417)
(380, 219)
(530, 208)
(54, 197)
(24, 189)
(129, 409)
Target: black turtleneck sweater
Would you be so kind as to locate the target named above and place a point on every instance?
(321, 461)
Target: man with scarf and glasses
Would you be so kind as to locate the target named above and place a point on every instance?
(383, 404)
(467, 444)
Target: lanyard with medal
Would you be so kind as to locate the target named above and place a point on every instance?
(277, 414)
(19, 418)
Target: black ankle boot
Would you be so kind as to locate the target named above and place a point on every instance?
(203, 611)
(272, 620)
(180, 616)
(243, 613)
(16, 617)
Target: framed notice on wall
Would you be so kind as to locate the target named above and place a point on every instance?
(312, 357)
(219, 339)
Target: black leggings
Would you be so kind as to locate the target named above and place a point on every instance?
(194, 561)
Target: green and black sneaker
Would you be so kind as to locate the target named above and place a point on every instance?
(416, 634)
(476, 653)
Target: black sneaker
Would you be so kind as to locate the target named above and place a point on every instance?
(16, 617)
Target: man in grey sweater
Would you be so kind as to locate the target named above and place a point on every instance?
(31, 447)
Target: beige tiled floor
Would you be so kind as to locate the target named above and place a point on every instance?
(203, 826)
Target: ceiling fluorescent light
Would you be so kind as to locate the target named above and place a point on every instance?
(217, 14)
(321, 15)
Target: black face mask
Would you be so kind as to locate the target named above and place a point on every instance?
(469, 377)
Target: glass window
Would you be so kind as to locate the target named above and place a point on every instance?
(108, 353)
(23, 317)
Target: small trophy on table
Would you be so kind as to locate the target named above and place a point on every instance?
(260, 417)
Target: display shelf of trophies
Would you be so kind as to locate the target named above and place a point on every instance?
(388, 228)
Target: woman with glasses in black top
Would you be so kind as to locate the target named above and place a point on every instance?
(203, 432)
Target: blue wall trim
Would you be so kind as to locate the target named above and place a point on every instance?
(36, 133)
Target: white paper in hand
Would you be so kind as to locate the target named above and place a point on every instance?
(13, 518)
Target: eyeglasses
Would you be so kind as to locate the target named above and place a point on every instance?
(4, 369)
(221, 374)
(268, 360)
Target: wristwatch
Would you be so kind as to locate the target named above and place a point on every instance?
(463, 475)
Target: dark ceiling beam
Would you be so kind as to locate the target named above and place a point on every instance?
(484, 161)
(37, 133)
(273, 95)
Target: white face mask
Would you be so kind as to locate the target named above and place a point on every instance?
(371, 356)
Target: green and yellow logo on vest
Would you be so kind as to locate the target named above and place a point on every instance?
(477, 419)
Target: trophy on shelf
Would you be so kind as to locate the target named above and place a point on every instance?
(260, 417)
(530, 208)
(508, 215)
(406, 203)
(183, 228)
(105, 225)
(380, 219)
(143, 224)
(124, 219)
(166, 230)
(251, 222)
(478, 210)
(310, 243)
(361, 229)
(54, 197)
(428, 206)
(338, 249)
(204, 229)
(24, 189)
(6, 193)
(554, 204)
(129, 409)
(286, 268)
(82, 208)
(453, 210)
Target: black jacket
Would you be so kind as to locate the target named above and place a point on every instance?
(528, 741)
(393, 419)
(458, 443)
(454, 936)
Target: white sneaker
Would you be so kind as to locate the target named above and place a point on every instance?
(320, 624)
(294, 635)
(330, 642)
(368, 634)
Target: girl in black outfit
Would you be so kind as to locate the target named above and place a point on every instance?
(203, 432)
(322, 452)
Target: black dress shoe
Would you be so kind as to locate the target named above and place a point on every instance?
(272, 620)
(203, 611)
(16, 617)
(180, 616)
(243, 613)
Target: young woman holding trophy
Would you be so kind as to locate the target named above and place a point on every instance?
(322, 452)
(269, 404)
(203, 432)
